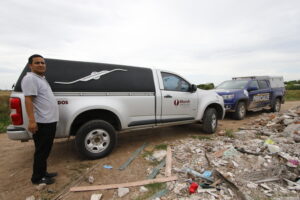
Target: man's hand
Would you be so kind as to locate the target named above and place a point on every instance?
(32, 127)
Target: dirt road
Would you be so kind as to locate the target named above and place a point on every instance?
(16, 160)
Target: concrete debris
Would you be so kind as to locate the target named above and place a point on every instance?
(122, 192)
(41, 186)
(96, 196)
(250, 165)
(143, 189)
(30, 198)
(159, 155)
(91, 179)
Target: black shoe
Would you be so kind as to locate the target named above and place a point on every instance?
(45, 180)
(51, 175)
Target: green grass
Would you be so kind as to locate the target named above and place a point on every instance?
(292, 95)
(229, 133)
(201, 137)
(161, 146)
(4, 111)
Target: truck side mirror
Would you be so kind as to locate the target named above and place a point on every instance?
(193, 88)
(252, 88)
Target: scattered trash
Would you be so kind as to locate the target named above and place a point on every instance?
(269, 141)
(41, 186)
(107, 166)
(122, 192)
(96, 196)
(143, 189)
(193, 187)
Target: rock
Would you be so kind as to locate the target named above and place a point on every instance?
(159, 155)
(122, 192)
(41, 186)
(91, 179)
(96, 196)
(290, 129)
(179, 187)
(30, 198)
(143, 189)
(149, 148)
(273, 148)
(296, 138)
(252, 185)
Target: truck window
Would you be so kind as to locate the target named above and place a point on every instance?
(173, 82)
(233, 84)
(254, 84)
(263, 84)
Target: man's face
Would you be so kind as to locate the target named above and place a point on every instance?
(38, 66)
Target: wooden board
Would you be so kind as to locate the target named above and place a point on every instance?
(169, 162)
(130, 184)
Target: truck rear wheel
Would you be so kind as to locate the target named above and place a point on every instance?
(95, 139)
(276, 106)
(210, 120)
(240, 111)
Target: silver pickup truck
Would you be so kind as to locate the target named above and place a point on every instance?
(98, 100)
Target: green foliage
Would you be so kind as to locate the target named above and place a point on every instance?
(292, 95)
(4, 111)
(201, 137)
(161, 146)
(229, 133)
(292, 85)
(207, 86)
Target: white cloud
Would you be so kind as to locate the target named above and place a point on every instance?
(204, 41)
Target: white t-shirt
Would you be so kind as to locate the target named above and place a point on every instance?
(44, 102)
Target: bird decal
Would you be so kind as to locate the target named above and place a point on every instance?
(92, 76)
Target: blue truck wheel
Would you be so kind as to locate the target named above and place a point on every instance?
(240, 111)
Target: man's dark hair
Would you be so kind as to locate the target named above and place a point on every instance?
(30, 59)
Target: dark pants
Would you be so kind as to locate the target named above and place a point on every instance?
(43, 141)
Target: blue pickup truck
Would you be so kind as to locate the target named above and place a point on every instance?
(242, 94)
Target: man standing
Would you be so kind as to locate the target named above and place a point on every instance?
(42, 111)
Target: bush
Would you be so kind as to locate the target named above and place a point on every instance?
(207, 86)
(4, 111)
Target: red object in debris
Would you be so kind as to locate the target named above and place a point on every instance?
(193, 187)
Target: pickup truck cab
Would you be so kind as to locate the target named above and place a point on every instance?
(98, 100)
(255, 93)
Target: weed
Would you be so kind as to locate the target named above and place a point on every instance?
(229, 133)
(161, 146)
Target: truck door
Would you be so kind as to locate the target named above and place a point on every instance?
(178, 103)
(260, 97)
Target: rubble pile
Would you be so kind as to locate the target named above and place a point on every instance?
(260, 161)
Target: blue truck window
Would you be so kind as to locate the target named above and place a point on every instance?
(263, 84)
(253, 84)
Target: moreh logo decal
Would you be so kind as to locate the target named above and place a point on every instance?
(181, 102)
(92, 76)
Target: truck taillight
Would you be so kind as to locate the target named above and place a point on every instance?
(16, 111)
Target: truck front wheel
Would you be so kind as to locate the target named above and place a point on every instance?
(95, 139)
(210, 120)
(276, 106)
(240, 112)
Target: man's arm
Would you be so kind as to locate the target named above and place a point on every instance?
(32, 126)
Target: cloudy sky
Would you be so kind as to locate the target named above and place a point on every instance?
(205, 41)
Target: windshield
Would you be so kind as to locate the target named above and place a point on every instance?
(234, 84)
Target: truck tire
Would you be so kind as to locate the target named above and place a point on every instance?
(276, 106)
(240, 111)
(95, 139)
(210, 120)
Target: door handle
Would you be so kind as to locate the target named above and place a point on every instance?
(168, 96)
